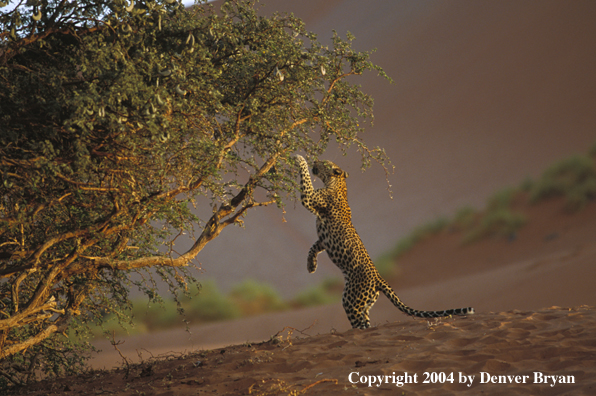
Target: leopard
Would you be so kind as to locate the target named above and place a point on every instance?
(338, 237)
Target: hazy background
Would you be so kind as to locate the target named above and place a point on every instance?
(486, 93)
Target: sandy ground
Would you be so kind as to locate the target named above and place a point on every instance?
(544, 352)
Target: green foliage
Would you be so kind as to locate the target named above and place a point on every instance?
(464, 218)
(202, 305)
(592, 151)
(253, 298)
(115, 120)
(209, 304)
(501, 222)
(527, 184)
(323, 293)
(573, 178)
(498, 219)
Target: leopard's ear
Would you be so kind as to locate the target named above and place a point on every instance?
(340, 173)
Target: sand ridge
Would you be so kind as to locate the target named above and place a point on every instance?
(545, 352)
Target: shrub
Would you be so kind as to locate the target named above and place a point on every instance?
(573, 178)
(464, 218)
(211, 305)
(502, 222)
(323, 293)
(253, 298)
(498, 218)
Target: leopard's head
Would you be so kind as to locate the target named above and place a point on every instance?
(329, 173)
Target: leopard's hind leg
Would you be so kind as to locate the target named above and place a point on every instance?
(357, 301)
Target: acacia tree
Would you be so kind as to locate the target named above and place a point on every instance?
(115, 117)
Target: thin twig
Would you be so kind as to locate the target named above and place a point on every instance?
(115, 345)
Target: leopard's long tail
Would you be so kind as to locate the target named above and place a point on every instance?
(388, 291)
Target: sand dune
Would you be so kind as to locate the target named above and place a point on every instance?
(545, 352)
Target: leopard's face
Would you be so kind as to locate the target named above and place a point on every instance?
(328, 172)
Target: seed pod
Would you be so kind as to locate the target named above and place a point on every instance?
(179, 91)
(279, 74)
(131, 6)
(190, 39)
(37, 15)
(164, 137)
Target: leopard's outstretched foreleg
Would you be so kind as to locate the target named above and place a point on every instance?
(308, 197)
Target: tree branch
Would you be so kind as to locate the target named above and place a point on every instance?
(39, 337)
(211, 230)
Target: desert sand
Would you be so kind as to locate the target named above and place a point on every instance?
(545, 352)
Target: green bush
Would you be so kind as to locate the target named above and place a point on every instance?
(498, 219)
(253, 298)
(321, 294)
(527, 184)
(464, 218)
(501, 199)
(502, 222)
(156, 315)
(573, 178)
(211, 305)
(592, 151)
